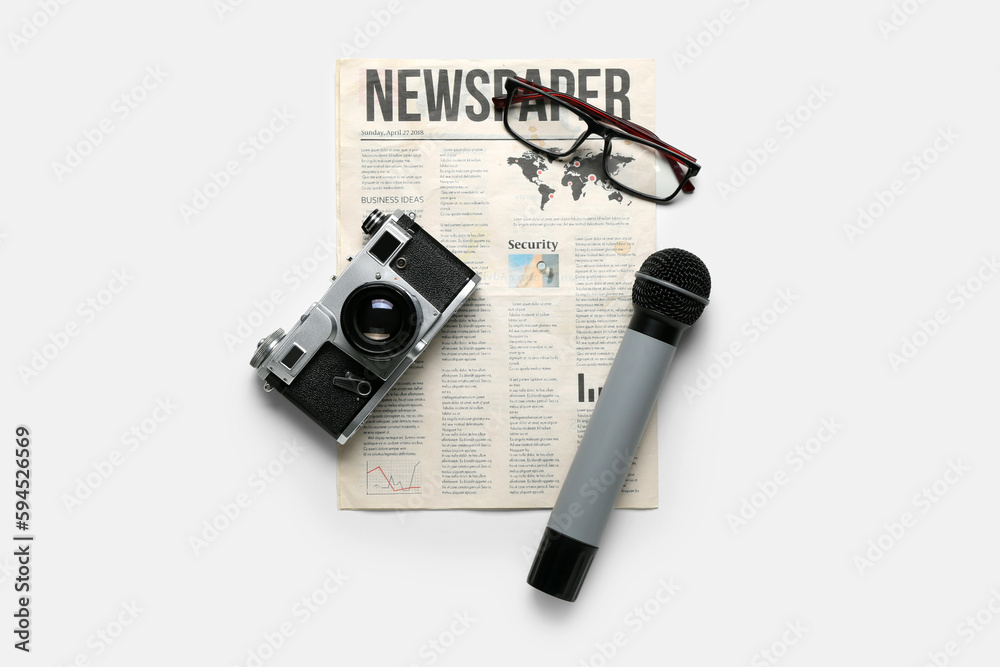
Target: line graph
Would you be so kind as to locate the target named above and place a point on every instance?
(393, 477)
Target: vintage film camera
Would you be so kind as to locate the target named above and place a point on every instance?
(351, 347)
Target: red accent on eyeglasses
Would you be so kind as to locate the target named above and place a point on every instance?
(604, 117)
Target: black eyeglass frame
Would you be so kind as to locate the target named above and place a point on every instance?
(598, 122)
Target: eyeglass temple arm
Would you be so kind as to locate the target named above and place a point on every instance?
(688, 186)
(675, 165)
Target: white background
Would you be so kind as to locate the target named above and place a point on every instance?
(409, 575)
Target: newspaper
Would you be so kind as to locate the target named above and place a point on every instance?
(491, 414)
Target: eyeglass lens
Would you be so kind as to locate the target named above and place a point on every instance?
(556, 128)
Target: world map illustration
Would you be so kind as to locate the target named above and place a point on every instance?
(578, 172)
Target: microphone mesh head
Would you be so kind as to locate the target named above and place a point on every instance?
(680, 268)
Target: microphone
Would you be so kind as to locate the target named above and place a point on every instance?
(670, 292)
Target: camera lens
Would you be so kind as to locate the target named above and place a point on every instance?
(379, 319)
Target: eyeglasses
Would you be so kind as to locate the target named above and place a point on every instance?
(556, 124)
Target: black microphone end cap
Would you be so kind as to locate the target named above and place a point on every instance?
(560, 565)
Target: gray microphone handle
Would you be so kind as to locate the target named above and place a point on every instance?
(605, 454)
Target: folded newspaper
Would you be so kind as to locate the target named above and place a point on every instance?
(491, 414)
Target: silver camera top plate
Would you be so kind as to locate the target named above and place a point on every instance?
(320, 323)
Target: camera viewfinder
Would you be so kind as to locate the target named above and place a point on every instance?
(384, 247)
